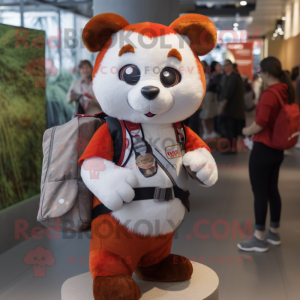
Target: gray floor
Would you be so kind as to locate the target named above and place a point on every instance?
(262, 276)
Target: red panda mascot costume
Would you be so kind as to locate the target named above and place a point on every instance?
(147, 78)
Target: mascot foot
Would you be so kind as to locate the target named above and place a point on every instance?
(117, 287)
(172, 268)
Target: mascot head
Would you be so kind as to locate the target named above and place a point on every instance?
(146, 72)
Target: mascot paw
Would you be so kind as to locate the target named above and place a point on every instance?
(120, 189)
(203, 164)
(116, 287)
(171, 269)
(112, 186)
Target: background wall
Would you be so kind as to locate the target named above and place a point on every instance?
(287, 51)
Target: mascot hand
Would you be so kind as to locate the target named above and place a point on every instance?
(111, 184)
(203, 164)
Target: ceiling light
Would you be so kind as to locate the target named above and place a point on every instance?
(283, 18)
(243, 3)
(275, 34)
(236, 24)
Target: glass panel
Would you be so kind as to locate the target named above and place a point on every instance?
(9, 17)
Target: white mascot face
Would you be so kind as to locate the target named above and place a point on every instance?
(148, 78)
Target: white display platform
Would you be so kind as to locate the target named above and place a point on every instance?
(204, 285)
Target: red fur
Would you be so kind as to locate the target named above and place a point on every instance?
(100, 57)
(150, 30)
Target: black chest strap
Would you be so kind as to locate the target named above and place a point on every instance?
(149, 193)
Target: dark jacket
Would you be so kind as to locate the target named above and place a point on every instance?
(214, 83)
(233, 92)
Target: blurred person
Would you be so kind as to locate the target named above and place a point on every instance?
(249, 95)
(256, 86)
(210, 102)
(81, 91)
(297, 86)
(236, 69)
(205, 68)
(194, 120)
(294, 75)
(265, 161)
(232, 107)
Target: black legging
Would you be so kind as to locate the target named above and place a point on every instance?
(264, 168)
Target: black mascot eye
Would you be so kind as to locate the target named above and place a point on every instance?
(130, 74)
(169, 77)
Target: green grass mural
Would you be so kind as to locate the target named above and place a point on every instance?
(22, 112)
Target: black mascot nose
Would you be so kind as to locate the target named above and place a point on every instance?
(150, 92)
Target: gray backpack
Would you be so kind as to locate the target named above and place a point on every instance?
(66, 203)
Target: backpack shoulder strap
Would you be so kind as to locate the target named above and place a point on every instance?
(121, 133)
(274, 91)
(180, 134)
(117, 131)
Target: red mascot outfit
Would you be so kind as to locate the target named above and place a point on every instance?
(147, 78)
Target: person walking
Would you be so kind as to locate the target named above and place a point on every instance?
(265, 161)
(81, 91)
(210, 102)
(232, 107)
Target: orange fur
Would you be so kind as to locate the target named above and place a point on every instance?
(150, 30)
(100, 28)
(100, 57)
(175, 53)
(125, 49)
(115, 250)
(199, 29)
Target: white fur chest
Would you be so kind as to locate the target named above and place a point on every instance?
(149, 216)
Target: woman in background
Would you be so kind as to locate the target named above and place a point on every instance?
(265, 161)
(193, 121)
(294, 75)
(81, 91)
(256, 86)
(210, 102)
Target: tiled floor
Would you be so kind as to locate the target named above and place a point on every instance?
(243, 276)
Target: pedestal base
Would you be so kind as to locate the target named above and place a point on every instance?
(203, 285)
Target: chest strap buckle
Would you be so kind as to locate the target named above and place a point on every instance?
(163, 194)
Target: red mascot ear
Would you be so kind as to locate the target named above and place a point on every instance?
(100, 28)
(199, 29)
